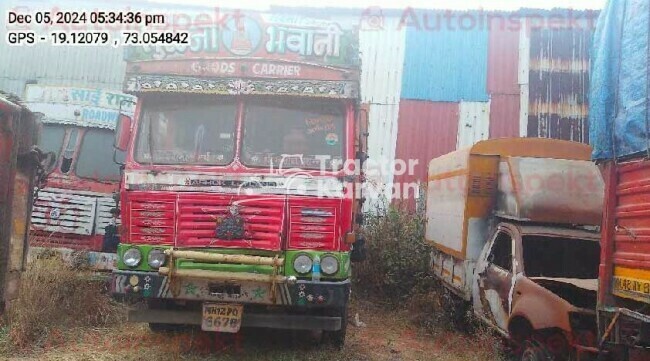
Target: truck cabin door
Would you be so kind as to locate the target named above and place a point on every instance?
(494, 280)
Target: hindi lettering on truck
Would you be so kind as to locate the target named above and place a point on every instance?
(235, 195)
(513, 223)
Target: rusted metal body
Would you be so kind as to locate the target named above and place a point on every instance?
(18, 164)
(511, 300)
(501, 216)
(559, 83)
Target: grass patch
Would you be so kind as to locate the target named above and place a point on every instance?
(65, 314)
(396, 275)
(53, 299)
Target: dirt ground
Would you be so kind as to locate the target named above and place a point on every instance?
(387, 335)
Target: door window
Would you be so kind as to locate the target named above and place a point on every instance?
(68, 153)
(501, 252)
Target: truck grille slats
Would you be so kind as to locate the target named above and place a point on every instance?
(152, 218)
(191, 220)
(262, 220)
(313, 225)
(60, 212)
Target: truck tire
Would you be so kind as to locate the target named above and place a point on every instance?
(337, 338)
(535, 351)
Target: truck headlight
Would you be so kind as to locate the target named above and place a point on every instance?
(132, 257)
(329, 265)
(302, 264)
(156, 258)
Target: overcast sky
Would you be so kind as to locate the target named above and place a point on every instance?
(424, 4)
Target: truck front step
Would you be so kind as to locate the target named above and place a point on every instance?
(278, 321)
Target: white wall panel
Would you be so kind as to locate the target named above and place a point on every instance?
(473, 123)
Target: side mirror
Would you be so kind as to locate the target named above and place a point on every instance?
(122, 132)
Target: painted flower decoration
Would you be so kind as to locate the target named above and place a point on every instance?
(240, 87)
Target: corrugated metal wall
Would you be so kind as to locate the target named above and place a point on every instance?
(473, 123)
(445, 65)
(83, 66)
(382, 60)
(414, 79)
(505, 82)
(504, 115)
(426, 130)
(559, 81)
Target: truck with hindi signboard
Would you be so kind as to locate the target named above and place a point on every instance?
(241, 186)
(77, 205)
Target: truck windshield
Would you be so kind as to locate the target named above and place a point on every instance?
(558, 257)
(52, 138)
(285, 134)
(187, 130)
(95, 159)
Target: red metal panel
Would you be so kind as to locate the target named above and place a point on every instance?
(503, 60)
(632, 229)
(504, 116)
(425, 130)
(626, 225)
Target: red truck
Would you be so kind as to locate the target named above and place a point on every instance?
(618, 117)
(237, 206)
(20, 172)
(73, 212)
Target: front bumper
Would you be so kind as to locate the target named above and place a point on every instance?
(303, 293)
(249, 319)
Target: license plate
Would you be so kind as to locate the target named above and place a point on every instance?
(221, 317)
(633, 288)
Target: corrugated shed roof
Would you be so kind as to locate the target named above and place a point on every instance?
(503, 60)
(426, 130)
(86, 66)
(504, 116)
(445, 65)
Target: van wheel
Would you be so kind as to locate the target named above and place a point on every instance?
(337, 338)
(534, 351)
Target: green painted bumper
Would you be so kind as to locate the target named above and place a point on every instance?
(303, 293)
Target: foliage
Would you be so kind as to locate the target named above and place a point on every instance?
(397, 264)
(53, 298)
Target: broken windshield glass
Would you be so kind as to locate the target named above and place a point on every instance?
(558, 257)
